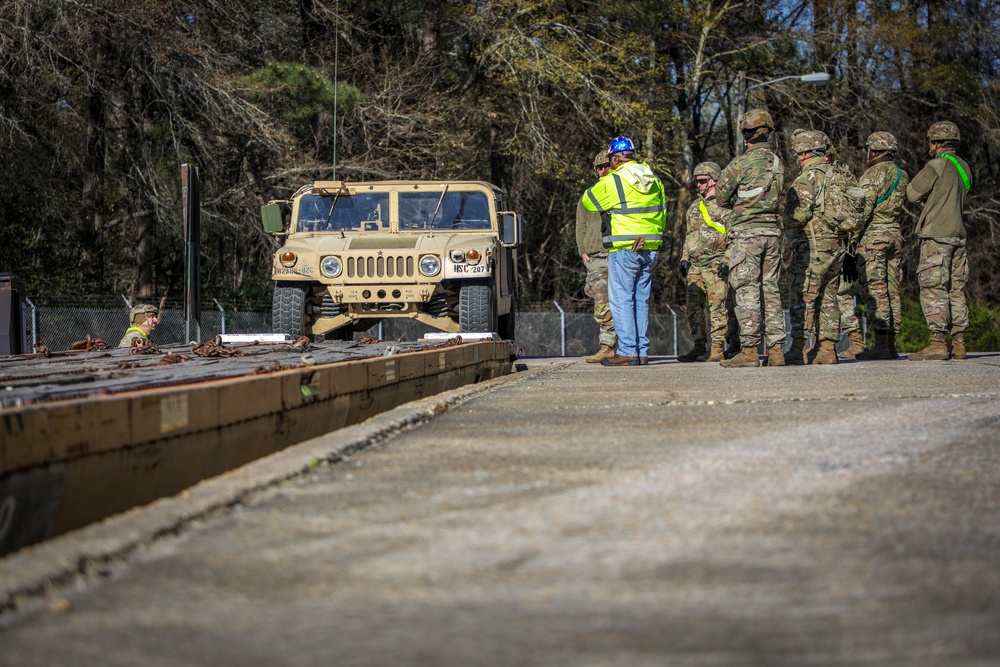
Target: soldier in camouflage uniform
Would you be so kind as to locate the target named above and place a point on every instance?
(595, 259)
(817, 254)
(750, 191)
(942, 185)
(881, 243)
(144, 319)
(850, 323)
(704, 251)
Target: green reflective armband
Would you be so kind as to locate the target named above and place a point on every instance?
(961, 172)
(899, 175)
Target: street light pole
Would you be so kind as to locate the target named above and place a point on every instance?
(743, 92)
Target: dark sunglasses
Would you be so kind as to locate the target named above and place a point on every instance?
(702, 181)
(603, 166)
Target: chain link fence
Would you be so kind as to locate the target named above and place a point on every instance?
(541, 331)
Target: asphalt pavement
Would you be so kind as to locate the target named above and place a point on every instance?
(570, 514)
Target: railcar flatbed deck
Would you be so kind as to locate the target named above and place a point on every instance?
(87, 434)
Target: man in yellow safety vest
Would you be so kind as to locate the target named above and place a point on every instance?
(633, 198)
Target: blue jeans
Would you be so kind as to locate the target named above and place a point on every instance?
(630, 277)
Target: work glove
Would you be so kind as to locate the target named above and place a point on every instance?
(849, 271)
(685, 265)
(723, 270)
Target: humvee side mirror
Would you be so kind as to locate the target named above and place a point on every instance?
(273, 220)
(511, 228)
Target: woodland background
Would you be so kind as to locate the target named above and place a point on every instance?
(102, 100)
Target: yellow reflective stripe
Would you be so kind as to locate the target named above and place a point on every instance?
(708, 219)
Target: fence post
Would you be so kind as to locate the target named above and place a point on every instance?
(562, 327)
(673, 316)
(34, 323)
(223, 311)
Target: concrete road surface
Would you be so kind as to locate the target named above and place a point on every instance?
(675, 514)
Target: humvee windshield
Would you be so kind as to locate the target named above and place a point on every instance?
(459, 210)
(362, 212)
(369, 212)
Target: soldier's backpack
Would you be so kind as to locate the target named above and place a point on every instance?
(841, 201)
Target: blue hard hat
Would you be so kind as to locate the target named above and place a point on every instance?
(619, 144)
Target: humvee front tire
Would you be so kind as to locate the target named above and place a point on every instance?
(476, 313)
(288, 309)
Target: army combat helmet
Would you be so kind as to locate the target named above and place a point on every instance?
(710, 169)
(943, 131)
(756, 118)
(141, 313)
(601, 160)
(810, 141)
(882, 141)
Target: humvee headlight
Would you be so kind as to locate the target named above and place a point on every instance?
(472, 257)
(331, 267)
(288, 258)
(430, 265)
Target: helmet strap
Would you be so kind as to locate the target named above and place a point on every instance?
(878, 157)
(757, 135)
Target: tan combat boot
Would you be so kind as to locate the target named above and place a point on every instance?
(958, 346)
(880, 351)
(775, 357)
(893, 352)
(694, 353)
(810, 352)
(936, 351)
(747, 358)
(857, 345)
(826, 352)
(715, 354)
(797, 354)
(606, 352)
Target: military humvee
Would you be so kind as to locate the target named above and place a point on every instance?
(443, 253)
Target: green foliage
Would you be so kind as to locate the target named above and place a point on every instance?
(913, 332)
(298, 92)
(983, 334)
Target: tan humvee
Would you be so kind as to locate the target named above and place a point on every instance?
(443, 253)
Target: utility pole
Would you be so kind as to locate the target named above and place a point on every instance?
(191, 203)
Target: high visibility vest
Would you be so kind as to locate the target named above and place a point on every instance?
(124, 341)
(638, 214)
(131, 329)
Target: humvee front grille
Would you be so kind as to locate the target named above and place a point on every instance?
(388, 266)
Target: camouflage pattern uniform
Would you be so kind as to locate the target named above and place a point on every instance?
(704, 249)
(133, 333)
(849, 320)
(588, 242)
(750, 188)
(818, 254)
(943, 269)
(881, 245)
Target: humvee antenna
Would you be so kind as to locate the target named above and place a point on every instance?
(336, 59)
